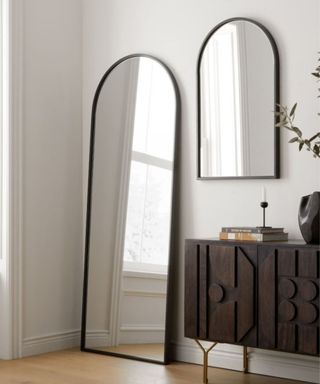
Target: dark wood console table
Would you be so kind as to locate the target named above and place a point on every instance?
(261, 295)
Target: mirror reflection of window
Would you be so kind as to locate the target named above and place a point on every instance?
(221, 76)
(149, 201)
(237, 102)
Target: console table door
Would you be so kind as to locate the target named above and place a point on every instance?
(232, 294)
(289, 299)
(220, 301)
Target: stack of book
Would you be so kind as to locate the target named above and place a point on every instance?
(253, 234)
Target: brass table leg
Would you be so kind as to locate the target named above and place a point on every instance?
(205, 359)
(245, 359)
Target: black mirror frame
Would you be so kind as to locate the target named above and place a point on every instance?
(174, 215)
(276, 174)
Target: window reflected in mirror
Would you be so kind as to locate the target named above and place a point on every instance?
(148, 214)
(237, 103)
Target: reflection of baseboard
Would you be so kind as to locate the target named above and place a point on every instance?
(51, 342)
(144, 333)
(144, 293)
(290, 366)
(97, 338)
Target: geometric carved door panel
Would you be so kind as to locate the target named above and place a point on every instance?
(220, 301)
(231, 297)
(289, 299)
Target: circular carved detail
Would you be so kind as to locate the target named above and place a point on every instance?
(216, 293)
(287, 310)
(308, 313)
(287, 288)
(308, 290)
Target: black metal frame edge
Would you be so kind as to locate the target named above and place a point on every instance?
(88, 214)
(124, 356)
(276, 174)
(174, 220)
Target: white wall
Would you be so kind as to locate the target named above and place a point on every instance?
(173, 31)
(51, 65)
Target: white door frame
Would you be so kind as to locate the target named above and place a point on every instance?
(11, 183)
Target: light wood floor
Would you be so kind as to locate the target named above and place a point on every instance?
(75, 367)
(147, 351)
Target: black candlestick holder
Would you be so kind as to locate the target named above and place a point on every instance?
(264, 205)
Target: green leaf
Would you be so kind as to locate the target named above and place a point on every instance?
(281, 123)
(301, 145)
(314, 136)
(293, 140)
(293, 109)
(297, 130)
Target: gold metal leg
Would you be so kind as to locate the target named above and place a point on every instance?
(245, 359)
(205, 359)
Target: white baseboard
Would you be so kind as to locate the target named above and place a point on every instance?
(50, 343)
(143, 333)
(94, 339)
(285, 365)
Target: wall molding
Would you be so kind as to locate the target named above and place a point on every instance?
(263, 362)
(16, 227)
(144, 293)
(97, 337)
(11, 264)
(141, 333)
(144, 275)
(50, 342)
(142, 328)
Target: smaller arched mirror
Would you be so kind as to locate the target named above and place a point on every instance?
(238, 93)
(130, 211)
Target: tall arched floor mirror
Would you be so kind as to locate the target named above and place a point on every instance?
(129, 224)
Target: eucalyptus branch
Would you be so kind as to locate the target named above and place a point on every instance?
(286, 120)
(316, 74)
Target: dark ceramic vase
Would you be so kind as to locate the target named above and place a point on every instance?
(309, 218)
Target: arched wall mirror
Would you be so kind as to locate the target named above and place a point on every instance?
(238, 93)
(129, 225)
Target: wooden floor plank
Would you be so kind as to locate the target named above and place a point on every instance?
(75, 367)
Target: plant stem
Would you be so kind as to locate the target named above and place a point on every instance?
(288, 124)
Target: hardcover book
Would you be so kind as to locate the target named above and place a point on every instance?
(245, 236)
(252, 229)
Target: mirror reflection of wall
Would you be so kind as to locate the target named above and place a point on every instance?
(131, 205)
(237, 102)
